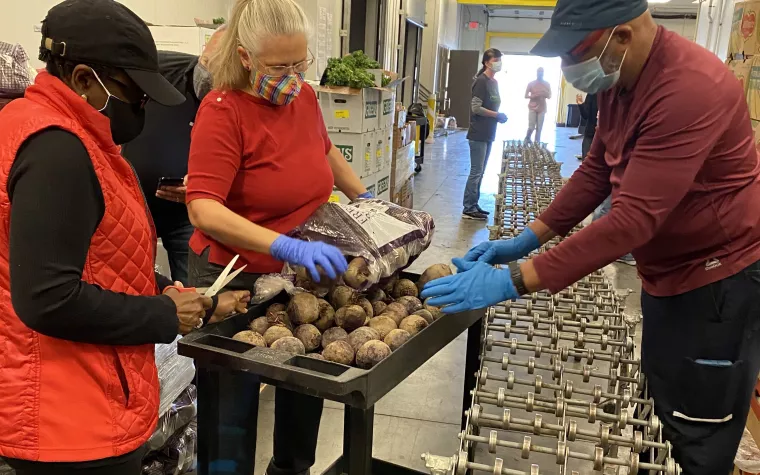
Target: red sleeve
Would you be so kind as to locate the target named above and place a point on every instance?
(216, 149)
(674, 141)
(321, 124)
(580, 196)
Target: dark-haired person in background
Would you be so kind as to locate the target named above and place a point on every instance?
(163, 148)
(674, 147)
(484, 117)
(81, 307)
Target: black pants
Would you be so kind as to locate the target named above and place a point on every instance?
(586, 145)
(176, 241)
(228, 406)
(128, 464)
(701, 355)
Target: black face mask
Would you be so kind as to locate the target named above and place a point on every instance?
(127, 120)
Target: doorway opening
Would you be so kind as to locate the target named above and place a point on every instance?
(518, 71)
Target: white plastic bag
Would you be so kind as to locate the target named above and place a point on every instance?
(748, 456)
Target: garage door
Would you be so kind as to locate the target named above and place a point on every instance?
(516, 45)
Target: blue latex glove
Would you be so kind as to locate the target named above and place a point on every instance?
(367, 195)
(476, 285)
(310, 255)
(504, 252)
(502, 118)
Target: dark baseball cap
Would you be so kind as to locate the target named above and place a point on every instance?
(106, 33)
(573, 20)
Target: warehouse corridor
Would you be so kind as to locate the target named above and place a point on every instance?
(423, 413)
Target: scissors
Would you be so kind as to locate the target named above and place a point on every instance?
(221, 282)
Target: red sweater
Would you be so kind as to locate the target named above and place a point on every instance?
(677, 153)
(266, 163)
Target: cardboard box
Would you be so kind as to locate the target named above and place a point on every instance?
(380, 142)
(741, 69)
(358, 150)
(402, 167)
(404, 196)
(387, 153)
(387, 108)
(383, 186)
(338, 197)
(351, 112)
(753, 90)
(744, 31)
(354, 110)
(182, 39)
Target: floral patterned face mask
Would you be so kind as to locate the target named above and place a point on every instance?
(279, 90)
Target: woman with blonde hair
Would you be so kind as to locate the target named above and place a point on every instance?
(261, 163)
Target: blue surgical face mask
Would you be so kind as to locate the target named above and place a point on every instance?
(590, 77)
(496, 66)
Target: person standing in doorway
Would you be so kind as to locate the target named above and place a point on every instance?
(484, 117)
(538, 92)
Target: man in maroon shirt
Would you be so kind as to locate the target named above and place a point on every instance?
(674, 147)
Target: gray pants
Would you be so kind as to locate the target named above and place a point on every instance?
(535, 122)
(603, 210)
(479, 152)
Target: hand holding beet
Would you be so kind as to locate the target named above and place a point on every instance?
(310, 255)
(230, 303)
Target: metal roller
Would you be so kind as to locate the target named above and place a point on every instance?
(559, 385)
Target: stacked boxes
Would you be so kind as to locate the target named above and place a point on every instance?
(744, 54)
(360, 123)
(744, 38)
(403, 162)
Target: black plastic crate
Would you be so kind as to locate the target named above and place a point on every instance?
(214, 346)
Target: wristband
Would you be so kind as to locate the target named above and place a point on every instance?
(517, 279)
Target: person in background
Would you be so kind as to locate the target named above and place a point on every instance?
(675, 148)
(15, 73)
(538, 92)
(162, 150)
(484, 117)
(589, 113)
(81, 307)
(261, 163)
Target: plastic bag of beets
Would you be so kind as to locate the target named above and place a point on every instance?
(377, 237)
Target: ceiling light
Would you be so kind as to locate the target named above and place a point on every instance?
(659, 1)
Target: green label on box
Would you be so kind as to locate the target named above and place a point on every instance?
(382, 185)
(371, 111)
(387, 107)
(347, 151)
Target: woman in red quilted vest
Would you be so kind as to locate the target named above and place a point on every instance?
(81, 306)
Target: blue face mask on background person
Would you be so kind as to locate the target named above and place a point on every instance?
(590, 77)
(496, 67)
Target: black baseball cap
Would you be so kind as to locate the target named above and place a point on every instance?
(106, 33)
(573, 20)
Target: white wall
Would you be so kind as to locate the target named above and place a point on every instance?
(326, 17)
(20, 18)
(442, 20)
(714, 25)
(468, 39)
(684, 27)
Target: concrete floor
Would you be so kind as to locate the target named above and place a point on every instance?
(423, 413)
